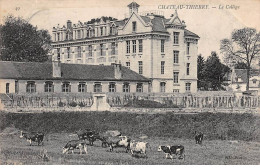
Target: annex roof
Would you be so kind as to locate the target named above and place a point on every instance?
(43, 71)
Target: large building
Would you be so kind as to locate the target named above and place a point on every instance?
(158, 48)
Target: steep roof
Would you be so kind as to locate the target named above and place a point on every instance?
(189, 33)
(43, 71)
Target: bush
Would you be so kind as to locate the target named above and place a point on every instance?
(150, 104)
(73, 104)
(213, 125)
(61, 104)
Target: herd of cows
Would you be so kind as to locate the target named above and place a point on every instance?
(112, 139)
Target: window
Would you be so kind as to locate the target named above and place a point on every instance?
(30, 87)
(140, 46)
(79, 52)
(7, 87)
(58, 54)
(188, 48)
(48, 87)
(176, 37)
(90, 50)
(97, 87)
(175, 77)
(162, 87)
(162, 46)
(101, 31)
(139, 87)
(82, 87)
(79, 34)
(187, 86)
(188, 68)
(113, 46)
(128, 65)
(112, 87)
(58, 36)
(134, 46)
(101, 49)
(134, 26)
(176, 90)
(127, 47)
(65, 87)
(67, 36)
(68, 51)
(162, 67)
(254, 81)
(16, 87)
(176, 57)
(140, 64)
(126, 87)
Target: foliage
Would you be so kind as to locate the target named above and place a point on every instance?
(20, 41)
(211, 73)
(240, 65)
(243, 46)
(229, 126)
(200, 71)
(73, 104)
(150, 104)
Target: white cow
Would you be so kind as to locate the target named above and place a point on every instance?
(138, 147)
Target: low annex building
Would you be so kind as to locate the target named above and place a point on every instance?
(33, 77)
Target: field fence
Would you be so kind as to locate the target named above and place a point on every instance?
(129, 100)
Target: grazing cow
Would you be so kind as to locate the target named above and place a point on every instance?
(33, 136)
(198, 137)
(91, 136)
(121, 141)
(177, 150)
(75, 144)
(138, 148)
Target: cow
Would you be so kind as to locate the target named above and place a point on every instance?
(75, 144)
(138, 148)
(177, 150)
(121, 141)
(91, 136)
(33, 137)
(198, 137)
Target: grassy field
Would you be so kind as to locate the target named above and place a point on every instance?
(17, 151)
(229, 138)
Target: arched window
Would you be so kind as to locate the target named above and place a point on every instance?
(162, 87)
(139, 87)
(65, 87)
(48, 87)
(112, 87)
(82, 87)
(126, 87)
(30, 87)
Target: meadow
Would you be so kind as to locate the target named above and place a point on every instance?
(229, 138)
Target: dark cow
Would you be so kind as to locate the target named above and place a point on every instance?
(198, 137)
(33, 137)
(75, 144)
(121, 141)
(87, 135)
(177, 150)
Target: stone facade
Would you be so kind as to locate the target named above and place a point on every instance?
(161, 49)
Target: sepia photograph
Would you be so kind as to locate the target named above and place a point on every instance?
(130, 82)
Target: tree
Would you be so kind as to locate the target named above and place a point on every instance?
(214, 73)
(240, 65)
(20, 41)
(200, 71)
(244, 46)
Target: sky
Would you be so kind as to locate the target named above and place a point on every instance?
(212, 24)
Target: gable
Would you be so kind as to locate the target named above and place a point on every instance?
(141, 26)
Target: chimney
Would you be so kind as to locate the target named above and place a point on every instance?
(118, 70)
(56, 69)
(69, 24)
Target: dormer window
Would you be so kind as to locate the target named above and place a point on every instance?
(134, 26)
